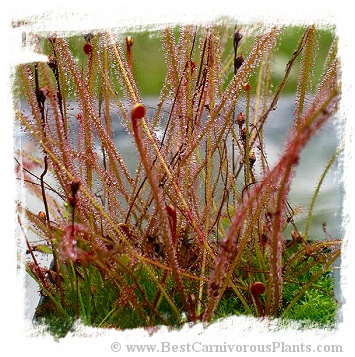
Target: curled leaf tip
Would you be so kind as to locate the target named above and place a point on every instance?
(87, 48)
(129, 41)
(257, 288)
(75, 185)
(138, 111)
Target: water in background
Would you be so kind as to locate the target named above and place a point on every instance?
(328, 207)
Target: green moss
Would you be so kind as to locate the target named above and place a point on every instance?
(317, 306)
(56, 326)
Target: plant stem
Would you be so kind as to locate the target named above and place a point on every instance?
(161, 209)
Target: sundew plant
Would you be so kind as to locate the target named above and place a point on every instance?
(202, 226)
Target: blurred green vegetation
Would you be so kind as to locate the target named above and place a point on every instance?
(150, 69)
